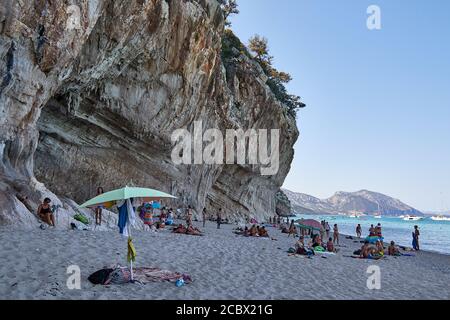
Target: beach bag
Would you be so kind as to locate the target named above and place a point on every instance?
(80, 217)
(100, 276)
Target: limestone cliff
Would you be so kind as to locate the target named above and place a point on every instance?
(91, 92)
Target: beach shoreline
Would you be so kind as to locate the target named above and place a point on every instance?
(222, 265)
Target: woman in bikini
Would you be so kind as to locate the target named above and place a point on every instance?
(45, 213)
(335, 234)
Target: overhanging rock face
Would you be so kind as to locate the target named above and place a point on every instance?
(95, 101)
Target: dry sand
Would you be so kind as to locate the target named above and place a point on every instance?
(33, 265)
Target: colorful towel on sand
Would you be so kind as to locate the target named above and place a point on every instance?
(146, 275)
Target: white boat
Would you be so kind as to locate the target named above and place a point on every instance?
(378, 216)
(440, 218)
(401, 217)
(412, 218)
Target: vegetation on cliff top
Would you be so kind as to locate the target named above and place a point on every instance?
(258, 50)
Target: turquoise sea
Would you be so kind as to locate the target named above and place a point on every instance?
(435, 235)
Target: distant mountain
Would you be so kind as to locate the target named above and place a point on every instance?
(435, 213)
(360, 202)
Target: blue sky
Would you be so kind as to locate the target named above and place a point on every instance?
(378, 102)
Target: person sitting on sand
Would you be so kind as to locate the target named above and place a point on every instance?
(45, 212)
(330, 245)
(300, 247)
(246, 232)
(379, 248)
(393, 250)
(180, 229)
(369, 252)
(365, 250)
(316, 241)
(254, 231)
(193, 231)
(263, 232)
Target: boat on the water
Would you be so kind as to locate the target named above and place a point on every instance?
(412, 218)
(440, 217)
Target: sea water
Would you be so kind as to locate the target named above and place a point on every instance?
(434, 235)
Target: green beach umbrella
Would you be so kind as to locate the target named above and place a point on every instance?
(127, 193)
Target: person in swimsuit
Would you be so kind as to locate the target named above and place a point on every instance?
(335, 234)
(378, 232)
(380, 248)
(358, 231)
(204, 215)
(189, 216)
(393, 250)
(292, 229)
(45, 213)
(219, 218)
(416, 234)
(98, 209)
(371, 231)
(254, 231)
(263, 232)
(327, 229)
(330, 245)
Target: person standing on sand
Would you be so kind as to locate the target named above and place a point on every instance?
(327, 229)
(45, 212)
(335, 234)
(98, 209)
(219, 218)
(358, 231)
(204, 217)
(189, 216)
(371, 231)
(416, 234)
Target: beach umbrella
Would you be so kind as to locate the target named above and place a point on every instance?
(310, 224)
(127, 193)
(123, 199)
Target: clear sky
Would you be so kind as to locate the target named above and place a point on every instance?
(378, 102)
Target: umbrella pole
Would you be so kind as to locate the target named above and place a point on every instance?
(131, 261)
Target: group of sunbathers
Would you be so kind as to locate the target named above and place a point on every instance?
(377, 251)
(190, 230)
(254, 231)
(314, 245)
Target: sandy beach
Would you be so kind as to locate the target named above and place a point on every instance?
(33, 265)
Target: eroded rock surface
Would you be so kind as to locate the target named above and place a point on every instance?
(90, 94)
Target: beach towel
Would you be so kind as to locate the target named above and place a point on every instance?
(146, 275)
(80, 217)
